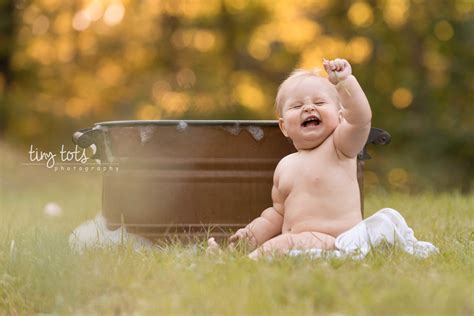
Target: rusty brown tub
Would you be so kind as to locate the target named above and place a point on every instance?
(188, 177)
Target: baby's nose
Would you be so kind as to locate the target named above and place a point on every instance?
(308, 107)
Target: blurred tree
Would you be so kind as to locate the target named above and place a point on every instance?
(6, 50)
(84, 61)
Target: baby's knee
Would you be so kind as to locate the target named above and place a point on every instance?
(277, 244)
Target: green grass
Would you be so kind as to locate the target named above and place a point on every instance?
(40, 274)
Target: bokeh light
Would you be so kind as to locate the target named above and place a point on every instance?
(40, 25)
(204, 40)
(236, 6)
(74, 63)
(80, 22)
(359, 49)
(402, 98)
(114, 13)
(396, 12)
(94, 10)
(443, 30)
(247, 91)
(360, 14)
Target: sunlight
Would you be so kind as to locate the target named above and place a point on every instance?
(80, 21)
(311, 56)
(359, 49)
(235, 6)
(114, 13)
(247, 91)
(148, 112)
(110, 73)
(296, 34)
(64, 49)
(77, 107)
(323, 47)
(360, 14)
(41, 51)
(94, 10)
(186, 78)
(40, 25)
(204, 40)
(174, 103)
(259, 48)
(62, 23)
(395, 12)
(332, 47)
(204, 102)
(402, 98)
(159, 88)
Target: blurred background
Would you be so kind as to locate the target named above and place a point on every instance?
(67, 64)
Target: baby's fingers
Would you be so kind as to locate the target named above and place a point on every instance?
(233, 238)
(327, 66)
(339, 64)
(238, 235)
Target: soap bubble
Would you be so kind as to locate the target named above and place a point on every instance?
(53, 209)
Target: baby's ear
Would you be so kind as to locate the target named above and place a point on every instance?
(340, 115)
(281, 123)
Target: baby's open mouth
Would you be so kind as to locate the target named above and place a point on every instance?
(311, 121)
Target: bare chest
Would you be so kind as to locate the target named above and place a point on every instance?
(319, 170)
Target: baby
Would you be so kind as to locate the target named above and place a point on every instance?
(315, 191)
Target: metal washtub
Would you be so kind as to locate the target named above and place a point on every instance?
(190, 178)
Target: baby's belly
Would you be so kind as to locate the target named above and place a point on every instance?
(330, 227)
(324, 216)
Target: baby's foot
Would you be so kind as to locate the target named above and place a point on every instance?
(213, 247)
(254, 255)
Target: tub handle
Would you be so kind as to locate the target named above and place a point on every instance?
(377, 136)
(87, 137)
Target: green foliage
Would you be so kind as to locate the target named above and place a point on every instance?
(76, 63)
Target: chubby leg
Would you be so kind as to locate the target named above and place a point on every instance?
(282, 244)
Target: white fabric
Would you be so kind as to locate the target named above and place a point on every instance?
(387, 225)
(95, 234)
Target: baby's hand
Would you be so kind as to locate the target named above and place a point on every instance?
(337, 69)
(243, 234)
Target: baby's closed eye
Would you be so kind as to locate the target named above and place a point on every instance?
(296, 105)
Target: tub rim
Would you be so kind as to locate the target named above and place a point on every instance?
(189, 122)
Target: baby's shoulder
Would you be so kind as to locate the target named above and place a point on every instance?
(286, 162)
(288, 159)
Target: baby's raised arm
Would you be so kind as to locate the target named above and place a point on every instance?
(350, 136)
(267, 225)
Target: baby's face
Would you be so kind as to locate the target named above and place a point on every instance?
(310, 112)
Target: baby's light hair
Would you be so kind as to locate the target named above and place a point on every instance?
(300, 74)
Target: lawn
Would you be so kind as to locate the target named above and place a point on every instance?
(40, 274)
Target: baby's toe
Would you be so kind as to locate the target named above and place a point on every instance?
(212, 247)
(211, 243)
(254, 255)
